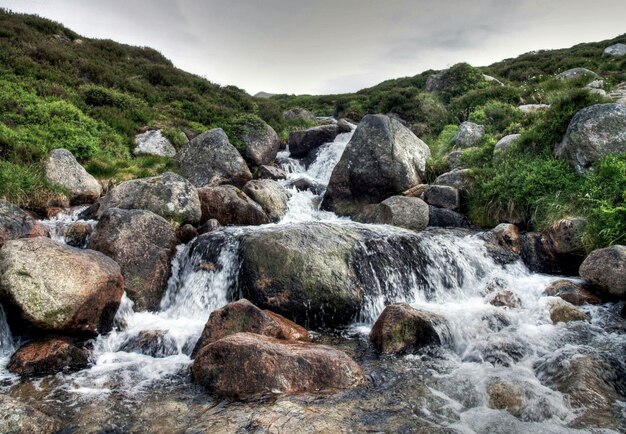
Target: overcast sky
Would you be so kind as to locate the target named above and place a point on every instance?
(332, 46)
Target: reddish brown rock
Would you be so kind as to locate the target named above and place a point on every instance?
(243, 316)
(15, 224)
(186, 233)
(246, 364)
(48, 357)
(574, 293)
(605, 269)
(508, 236)
(416, 191)
(562, 311)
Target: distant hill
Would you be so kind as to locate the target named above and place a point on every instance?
(264, 95)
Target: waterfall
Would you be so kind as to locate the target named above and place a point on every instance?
(6, 339)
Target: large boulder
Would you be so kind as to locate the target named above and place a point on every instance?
(261, 143)
(383, 158)
(48, 357)
(142, 243)
(270, 195)
(210, 159)
(153, 142)
(15, 223)
(230, 206)
(574, 73)
(402, 328)
(461, 179)
(246, 364)
(446, 218)
(566, 235)
(606, 270)
(17, 417)
(402, 211)
(469, 135)
(301, 143)
(615, 50)
(57, 288)
(593, 133)
(242, 316)
(63, 169)
(169, 195)
(443, 196)
(539, 255)
(505, 142)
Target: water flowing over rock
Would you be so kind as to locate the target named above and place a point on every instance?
(302, 143)
(261, 142)
(401, 328)
(469, 134)
(15, 224)
(574, 73)
(153, 142)
(63, 169)
(48, 357)
(383, 158)
(270, 195)
(606, 270)
(142, 243)
(230, 206)
(210, 159)
(57, 288)
(268, 365)
(17, 417)
(615, 50)
(168, 195)
(593, 133)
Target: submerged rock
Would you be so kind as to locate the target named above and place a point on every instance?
(58, 288)
(15, 224)
(230, 206)
(20, 418)
(153, 142)
(48, 357)
(270, 195)
(503, 395)
(605, 269)
(401, 328)
(245, 364)
(301, 143)
(469, 134)
(63, 169)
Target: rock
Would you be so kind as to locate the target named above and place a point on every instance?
(230, 206)
(600, 92)
(566, 235)
(343, 126)
(505, 396)
(574, 293)
(15, 224)
(509, 237)
(271, 172)
(261, 141)
(504, 299)
(605, 269)
(469, 134)
(402, 211)
(267, 365)
(153, 343)
(443, 196)
(539, 255)
(77, 234)
(593, 133)
(505, 142)
(596, 84)
(435, 82)
(143, 244)
(301, 143)
(383, 158)
(168, 195)
(615, 50)
(298, 113)
(445, 218)
(574, 73)
(57, 288)
(63, 169)
(270, 195)
(153, 142)
(401, 328)
(210, 160)
(305, 183)
(562, 311)
(416, 191)
(209, 226)
(530, 108)
(242, 316)
(618, 93)
(48, 357)
(19, 418)
(460, 179)
(454, 158)
(186, 233)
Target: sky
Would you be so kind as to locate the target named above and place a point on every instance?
(333, 46)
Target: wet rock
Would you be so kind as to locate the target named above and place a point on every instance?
(416, 191)
(210, 160)
(469, 134)
(343, 126)
(58, 288)
(562, 311)
(15, 224)
(153, 343)
(505, 143)
(540, 256)
(566, 235)
(245, 364)
(17, 417)
(153, 142)
(504, 299)
(261, 141)
(572, 292)
(574, 73)
(605, 269)
(48, 357)
(270, 195)
(168, 195)
(271, 172)
(383, 158)
(77, 234)
(63, 169)
(209, 226)
(298, 113)
(593, 133)
(143, 244)
(509, 237)
(242, 316)
(615, 50)
(186, 233)
(401, 328)
(230, 206)
(443, 196)
(503, 395)
(460, 179)
(303, 184)
(531, 108)
(498, 352)
(445, 218)
(301, 143)
(402, 211)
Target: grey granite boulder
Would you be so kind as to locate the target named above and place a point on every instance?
(615, 50)
(469, 134)
(63, 169)
(153, 143)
